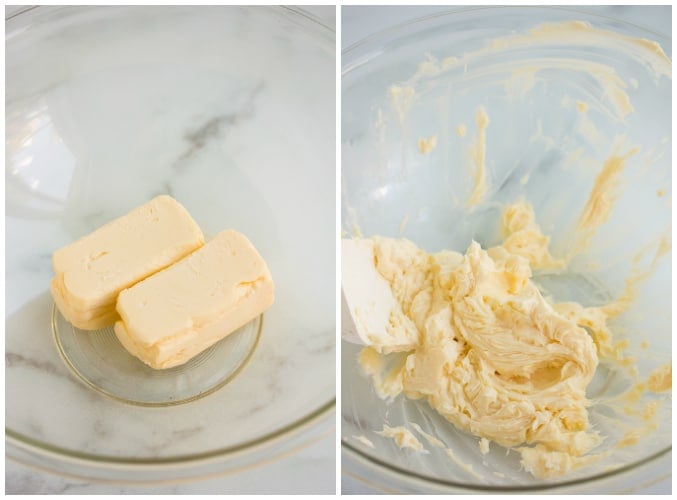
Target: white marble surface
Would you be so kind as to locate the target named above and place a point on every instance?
(85, 143)
(358, 22)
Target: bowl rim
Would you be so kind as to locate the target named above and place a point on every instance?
(298, 10)
(26, 442)
(383, 466)
(367, 46)
(383, 35)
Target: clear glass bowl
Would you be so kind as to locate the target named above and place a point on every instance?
(107, 107)
(557, 112)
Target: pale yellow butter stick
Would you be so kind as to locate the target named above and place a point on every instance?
(179, 312)
(92, 271)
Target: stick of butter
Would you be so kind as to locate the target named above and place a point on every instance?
(177, 313)
(92, 271)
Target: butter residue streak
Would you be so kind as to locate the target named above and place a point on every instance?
(402, 437)
(583, 33)
(386, 377)
(660, 380)
(433, 441)
(401, 100)
(403, 224)
(539, 136)
(479, 152)
(636, 431)
(580, 33)
(427, 144)
(428, 437)
(365, 441)
(586, 127)
(577, 33)
(601, 200)
(484, 446)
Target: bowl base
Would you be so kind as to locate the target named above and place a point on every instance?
(99, 360)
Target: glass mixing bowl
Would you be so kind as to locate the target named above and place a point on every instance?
(561, 100)
(232, 112)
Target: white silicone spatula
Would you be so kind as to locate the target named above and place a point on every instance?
(366, 298)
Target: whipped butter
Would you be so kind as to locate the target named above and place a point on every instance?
(91, 272)
(179, 312)
(487, 350)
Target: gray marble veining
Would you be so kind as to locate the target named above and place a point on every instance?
(217, 127)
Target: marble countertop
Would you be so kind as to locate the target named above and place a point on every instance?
(311, 470)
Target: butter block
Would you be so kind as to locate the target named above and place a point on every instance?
(177, 313)
(92, 271)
